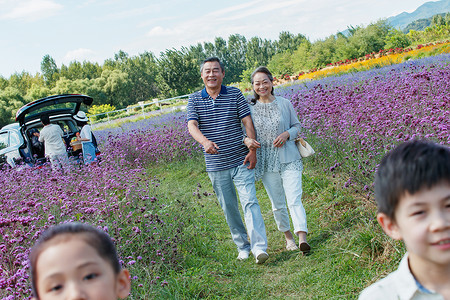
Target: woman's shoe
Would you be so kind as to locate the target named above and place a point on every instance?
(291, 245)
(305, 248)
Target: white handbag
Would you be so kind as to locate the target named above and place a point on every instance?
(304, 148)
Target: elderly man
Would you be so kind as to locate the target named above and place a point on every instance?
(214, 117)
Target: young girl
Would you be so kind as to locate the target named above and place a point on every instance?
(77, 261)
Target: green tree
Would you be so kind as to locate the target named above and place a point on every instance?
(301, 57)
(369, 39)
(37, 92)
(179, 72)
(220, 49)
(76, 70)
(142, 71)
(24, 80)
(397, 39)
(49, 70)
(281, 63)
(209, 49)
(11, 99)
(288, 42)
(343, 49)
(259, 52)
(237, 48)
(3, 83)
(437, 20)
(323, 52)
(115, 87)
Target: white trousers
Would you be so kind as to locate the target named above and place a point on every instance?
(282, 187)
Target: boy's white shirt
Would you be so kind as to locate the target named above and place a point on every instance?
(399, 284)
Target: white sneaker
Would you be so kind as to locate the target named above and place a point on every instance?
(243, 255)
(261, 256)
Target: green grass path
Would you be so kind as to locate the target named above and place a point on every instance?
(349, 249)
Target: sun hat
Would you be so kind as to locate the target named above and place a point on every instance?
(81, 116)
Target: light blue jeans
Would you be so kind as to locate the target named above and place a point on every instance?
(286, 186)
(88, 152)
(242, 180)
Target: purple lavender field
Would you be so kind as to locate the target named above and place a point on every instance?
(351, 121)
(118, 195)
(354, 119)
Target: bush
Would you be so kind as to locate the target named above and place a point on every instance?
(100, 109)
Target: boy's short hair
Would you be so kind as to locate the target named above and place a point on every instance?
(45, 119)
(410, 167)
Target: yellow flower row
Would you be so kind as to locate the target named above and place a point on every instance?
(377, 61)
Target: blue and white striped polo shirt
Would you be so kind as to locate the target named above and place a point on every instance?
(219, 121)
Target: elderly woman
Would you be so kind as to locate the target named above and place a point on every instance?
(279, 163)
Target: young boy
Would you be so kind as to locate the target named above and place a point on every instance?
(412, 190)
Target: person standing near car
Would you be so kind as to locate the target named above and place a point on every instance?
(215, 115)
(55, 149)
(38, 147)
(85, 137)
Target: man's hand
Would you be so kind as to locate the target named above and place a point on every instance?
(251, 144)
(210, 147)
(250, 158)
(194, 131)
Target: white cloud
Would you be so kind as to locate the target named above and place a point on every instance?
(30, 10)
(135, 12)
(254, 8)
(79, 55)
(160, 31)
(246, 19)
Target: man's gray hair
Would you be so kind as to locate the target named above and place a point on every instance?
(211, 59)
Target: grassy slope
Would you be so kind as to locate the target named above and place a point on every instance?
(350, 250)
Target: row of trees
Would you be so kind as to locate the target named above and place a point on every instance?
(124, 80)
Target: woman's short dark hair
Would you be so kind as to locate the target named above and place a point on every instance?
(409, 168)
(96, 238)
(266, 71)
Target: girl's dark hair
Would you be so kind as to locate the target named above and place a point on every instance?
(266, 71)
(96, 238)
(409, 168)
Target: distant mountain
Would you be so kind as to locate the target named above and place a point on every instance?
(424, 11)
(420, 25)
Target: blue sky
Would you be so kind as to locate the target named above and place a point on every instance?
(95, 30)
